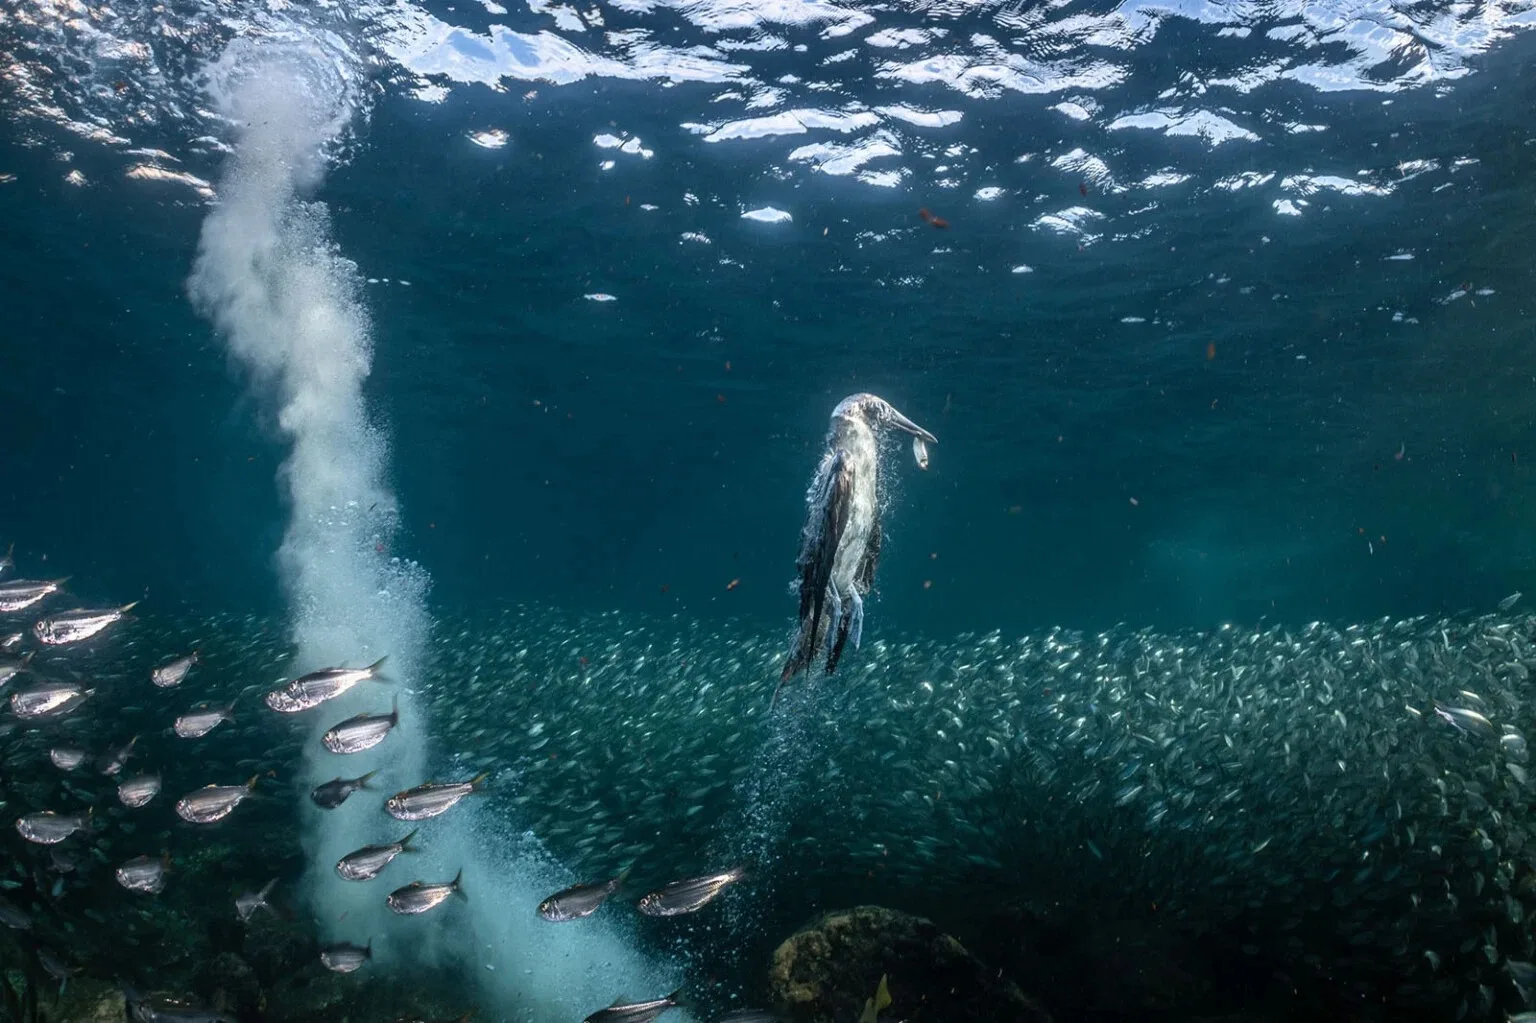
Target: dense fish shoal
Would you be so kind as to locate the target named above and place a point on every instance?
(1355, 800)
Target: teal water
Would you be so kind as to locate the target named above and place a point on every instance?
(503, 342)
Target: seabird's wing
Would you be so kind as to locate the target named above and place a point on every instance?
(818, 550)
(864, 578)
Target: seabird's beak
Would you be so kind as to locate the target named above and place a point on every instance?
(901, 422)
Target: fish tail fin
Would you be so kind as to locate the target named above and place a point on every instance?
(368, 948)
(251, 785)
(266, 889)
(362, 782)
(478, 781)
(676, 997)
(394, 708)
(129, 606)
(405, 843)
(458, 885)
(373, 669)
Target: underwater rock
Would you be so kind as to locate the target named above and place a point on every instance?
(229, 984)
(826, 972)
(89, 1001)
(277, 952)
(1095, 965)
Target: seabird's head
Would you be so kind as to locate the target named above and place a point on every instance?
(874, 411)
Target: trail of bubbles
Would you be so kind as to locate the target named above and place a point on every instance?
(273, 282)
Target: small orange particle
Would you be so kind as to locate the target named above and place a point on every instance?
(727, 365)
(929, 218)
(626, 200)
(733, 584)
(1210, 351)
(720, 398)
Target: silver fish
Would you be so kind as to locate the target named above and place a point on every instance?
(687, 896)
(144, 874)
(23, 593)
(136, 792)
(14, 917)
(79, 624)
(46, 827)
(1510, 601)
(579, 900)
(66, 758)
(431, 799)
(56, 698)
(1463, 719)
(56, 967)
(113, 761)
(418, 896)
(366, 863)
(635, 1012)
(315, 688)
(11, 641)
(362, 731)
(920, 451)
(212, 802)
(329, 795)
(10, 667)
(247, 903)
(345, 957)
(195, 724)
(173, 673)
(142, 1010)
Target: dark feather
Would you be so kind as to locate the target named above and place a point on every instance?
(818, 551)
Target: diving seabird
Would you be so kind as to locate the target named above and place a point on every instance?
(840, 542)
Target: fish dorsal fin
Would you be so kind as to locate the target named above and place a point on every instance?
(882, 995)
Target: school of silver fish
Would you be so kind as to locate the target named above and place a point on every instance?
(1359, 794)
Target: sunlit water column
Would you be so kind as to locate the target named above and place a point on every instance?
(272, 280)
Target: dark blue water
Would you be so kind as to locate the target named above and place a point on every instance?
(602, 454)
(1229, 318)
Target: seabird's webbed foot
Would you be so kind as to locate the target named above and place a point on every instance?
(835, 615)
(837, 634)
(856, 619)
